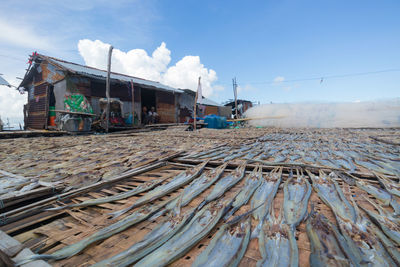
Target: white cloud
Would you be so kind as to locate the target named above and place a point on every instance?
(21, 36)
(184, 74)
(11, 104)
(279, 79)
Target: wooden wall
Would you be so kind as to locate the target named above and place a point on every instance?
(165, 102)
(37, 107)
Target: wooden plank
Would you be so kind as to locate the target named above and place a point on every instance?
(83, 222)
(35, 207)
(25, 253)
(9, 245)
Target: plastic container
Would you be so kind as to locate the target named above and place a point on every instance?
(215, 122)
(52, 120)
(52, 111)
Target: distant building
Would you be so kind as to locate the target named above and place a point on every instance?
(206, 106)
(243, 105)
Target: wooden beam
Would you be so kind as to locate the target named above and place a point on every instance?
(108, 87)
(36, 207)
(133, 102)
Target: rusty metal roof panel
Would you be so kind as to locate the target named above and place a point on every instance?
(209, 102)
(102, 74)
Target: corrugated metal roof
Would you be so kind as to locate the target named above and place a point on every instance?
(3, 81)
(209, 102)
(97, 73)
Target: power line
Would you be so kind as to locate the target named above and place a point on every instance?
(324, 77)
(320, 78)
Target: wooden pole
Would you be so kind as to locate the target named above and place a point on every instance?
(195, 106)
(133, 103)
(235, 94)
(108, 87)
(257, 118)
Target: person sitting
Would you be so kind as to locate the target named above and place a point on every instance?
(154, 115)
(145, 116)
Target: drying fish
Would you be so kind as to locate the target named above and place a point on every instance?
(251, 184)
(195, 188)
(224, 184)
(252, 154)
(388, 244)
(207, 152)
(381, 194)
(294, 158)
(152, 240)
(388, 165)
(362, 241)
(296, 194)
(326, 163)
(227, 247)
(265, 193)
(137, 190)
(331, 194)
(213, 154)
(280, 158)
(160, 191)
(370, 166)
(277, 243)
(138, 216)
(350, 180)
(201, 224)
(328, 246)
(390, 186)
(389, 225)
(234, 155)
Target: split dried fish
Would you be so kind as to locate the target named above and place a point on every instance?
(201, 224)
(227, 247)
(390, 186)
(389, 245)
(370, 166)
(195, 188)
(265, 193)
(137, 190)
(138, 216)
(380, 194)
(328, 247)
(362, 242)
(224, 184)
(160, 191)
(152, 240)
(389, 225)
(200, 184)
(251, 183)
(207, 152)
(277, 243)
(296, 195)
(331, 194)
(350, 180)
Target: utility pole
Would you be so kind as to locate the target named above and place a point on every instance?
(108, 87)
(195, 106)
(235, 94)
(133, 103)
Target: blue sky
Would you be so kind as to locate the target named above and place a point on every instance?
(265, 44)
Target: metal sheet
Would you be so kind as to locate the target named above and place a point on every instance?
(3, 81)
